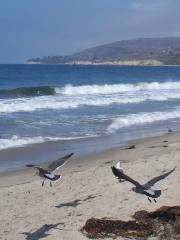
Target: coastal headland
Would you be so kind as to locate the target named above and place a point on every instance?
(135, 52)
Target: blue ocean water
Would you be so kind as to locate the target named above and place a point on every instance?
(39, 103)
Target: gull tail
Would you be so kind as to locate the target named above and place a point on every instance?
(157, 193)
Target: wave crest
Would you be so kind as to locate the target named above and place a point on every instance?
(72, 90)
(141, 118)
(59, 102)
(27, 91)
(16, 141)
(92, 95)
(115, 88)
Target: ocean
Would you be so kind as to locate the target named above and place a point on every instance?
(85, 109)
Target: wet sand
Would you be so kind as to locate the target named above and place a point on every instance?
(87, 189)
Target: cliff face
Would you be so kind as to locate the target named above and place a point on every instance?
(143, 51)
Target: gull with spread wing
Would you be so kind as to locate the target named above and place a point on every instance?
(49, 172)
(145, 188)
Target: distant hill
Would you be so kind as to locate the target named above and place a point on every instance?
(142, 51)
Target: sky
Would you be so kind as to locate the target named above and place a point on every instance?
(38, 28)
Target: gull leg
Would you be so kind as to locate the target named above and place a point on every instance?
(50, 184)
(155, 200)
(149, 200)
(43, 182)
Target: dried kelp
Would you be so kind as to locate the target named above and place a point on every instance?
(163, 223)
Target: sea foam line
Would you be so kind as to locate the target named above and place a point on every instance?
(69, 102)
(16, 141)
(141, 118)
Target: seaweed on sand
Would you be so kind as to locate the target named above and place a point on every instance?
(163, 223)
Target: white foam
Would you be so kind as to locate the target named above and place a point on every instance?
(95, 95)
(115, 88)
(65, 102)
(16, 141)
(142, 118)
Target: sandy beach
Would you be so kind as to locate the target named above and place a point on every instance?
(88, 189)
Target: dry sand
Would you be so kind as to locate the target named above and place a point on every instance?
(88, 189)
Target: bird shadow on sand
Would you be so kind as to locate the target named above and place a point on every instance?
(75, 202)
(42, 232)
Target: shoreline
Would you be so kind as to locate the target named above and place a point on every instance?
(24, 175)
(56, 64)
(42, 152)
(103, 64)
(89, 189)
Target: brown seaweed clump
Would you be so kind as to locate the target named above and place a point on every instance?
(163, 223)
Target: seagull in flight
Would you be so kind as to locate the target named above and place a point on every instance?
(49, 172)
(145, 188)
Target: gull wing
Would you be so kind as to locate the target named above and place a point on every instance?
(153, 181)
(58, 163)
(119, 174)
(34, 166)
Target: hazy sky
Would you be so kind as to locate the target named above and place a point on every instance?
(36, 28)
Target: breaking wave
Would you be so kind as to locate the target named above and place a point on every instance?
(43, 103)
(142, 118)
(87, 89)
(69, 97)
(27, 91)
(115, 88)
(56, 103)
(16, 141)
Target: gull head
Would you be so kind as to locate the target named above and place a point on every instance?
(119, 166)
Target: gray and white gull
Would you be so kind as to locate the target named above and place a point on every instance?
(146, 188)
(49, 172)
